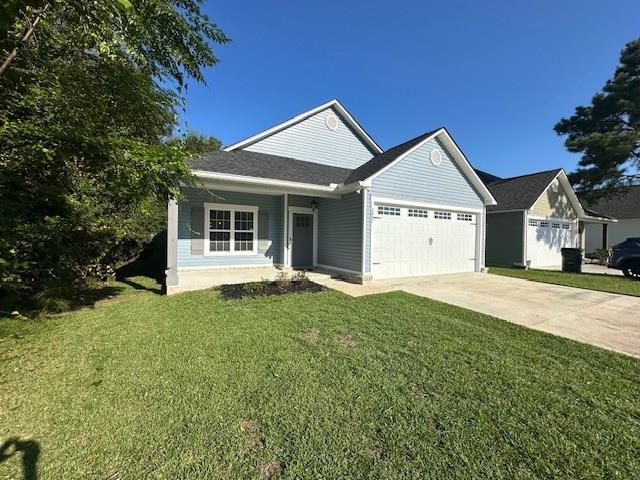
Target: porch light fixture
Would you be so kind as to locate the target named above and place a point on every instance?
(314, 205)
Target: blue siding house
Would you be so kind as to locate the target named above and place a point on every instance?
(317, 192)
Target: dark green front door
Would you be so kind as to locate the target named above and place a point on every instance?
(302, 254)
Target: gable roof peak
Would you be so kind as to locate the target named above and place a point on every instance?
(333, 103)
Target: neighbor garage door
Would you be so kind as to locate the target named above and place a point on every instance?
(412, 241)
(545, 239)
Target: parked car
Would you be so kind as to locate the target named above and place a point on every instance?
(625, 256)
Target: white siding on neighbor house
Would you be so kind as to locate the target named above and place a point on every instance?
(616, 233)
(312, 141)
(415, 178)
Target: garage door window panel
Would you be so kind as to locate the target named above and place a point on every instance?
(386, 210)
(442, 215)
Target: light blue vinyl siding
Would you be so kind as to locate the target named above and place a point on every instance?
(340, 232)
(416, 178)
(312, 141)
(301, 201)
(268, 205)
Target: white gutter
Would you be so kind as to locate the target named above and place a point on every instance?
(332, 188)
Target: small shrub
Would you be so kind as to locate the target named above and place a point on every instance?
(282, 279)
(602, 254)
(252, 287)
(300, 276)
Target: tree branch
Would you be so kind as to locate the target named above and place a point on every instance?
(27, 35)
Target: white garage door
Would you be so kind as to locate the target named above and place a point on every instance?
(545, 238)
(412, 241)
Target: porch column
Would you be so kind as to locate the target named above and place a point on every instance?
(171, 272)
(285, 230)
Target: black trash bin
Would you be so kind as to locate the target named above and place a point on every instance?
(572, 260)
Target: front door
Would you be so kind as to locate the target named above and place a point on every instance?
(302, 253)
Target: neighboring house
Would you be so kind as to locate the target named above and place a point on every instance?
(317, 191)
(535, 217)
(625, 207)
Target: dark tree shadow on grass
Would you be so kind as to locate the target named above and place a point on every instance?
(28, 449)
(151, 263)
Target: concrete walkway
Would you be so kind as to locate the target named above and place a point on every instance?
(592, 268)
(603, 319)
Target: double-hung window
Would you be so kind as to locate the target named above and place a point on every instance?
(231, 229)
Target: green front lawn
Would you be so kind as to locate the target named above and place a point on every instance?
(589, 281)
(312, 386)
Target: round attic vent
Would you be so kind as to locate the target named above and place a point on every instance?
(331, 122)
(436, 157)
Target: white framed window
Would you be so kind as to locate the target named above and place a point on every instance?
(555, 225)
(442, 215)
(418, 212)
(231, 229)
(566, 226)
(533, 223)
(386, 210)
(464, 217)
(544, 224)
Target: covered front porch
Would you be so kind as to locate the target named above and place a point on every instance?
(227, 233)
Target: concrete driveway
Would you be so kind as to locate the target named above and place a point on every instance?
(603, 319)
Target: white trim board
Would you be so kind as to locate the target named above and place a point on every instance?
(265, 182)
(260, 190)
(303, 116)
(432, 206)
(252, 266)
(457, 155)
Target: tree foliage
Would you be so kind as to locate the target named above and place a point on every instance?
(607, 132)
(196, 143)
(85, 168)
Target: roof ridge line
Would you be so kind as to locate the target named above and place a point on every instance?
(526, 175)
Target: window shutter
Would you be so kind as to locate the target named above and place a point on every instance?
(263, 231)
(197, 230)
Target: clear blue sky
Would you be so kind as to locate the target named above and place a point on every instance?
(497, 74)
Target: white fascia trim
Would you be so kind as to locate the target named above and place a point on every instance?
(533, 216)
(460, 158)
(434, 206)
(353, 187)
(251, 266)
(597, 220)
(226, 177)
(298, 118)
(508, 211)
(573, 198)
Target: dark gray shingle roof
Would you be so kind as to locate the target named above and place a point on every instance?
(626, 204)
(383, 159)
(253, 164)
(486, 177)
(519, 193)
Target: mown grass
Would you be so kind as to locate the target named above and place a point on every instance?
(589, 281)
(311, 386)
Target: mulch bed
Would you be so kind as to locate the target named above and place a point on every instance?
(261, 289)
